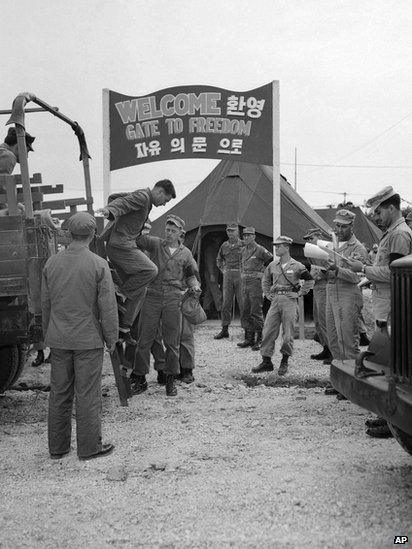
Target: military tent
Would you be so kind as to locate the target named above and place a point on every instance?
(242, 192)
(237, 192)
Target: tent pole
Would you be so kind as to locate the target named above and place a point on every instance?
(199, 245)
(276, 161)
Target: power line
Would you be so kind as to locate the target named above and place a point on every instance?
(363, 146)
(398, 166)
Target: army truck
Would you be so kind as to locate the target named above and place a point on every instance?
(380, 379)
(27, 239)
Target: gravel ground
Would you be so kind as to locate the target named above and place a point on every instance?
(223, 464)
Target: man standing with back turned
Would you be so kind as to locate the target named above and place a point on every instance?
(127, 214)
(79, 314)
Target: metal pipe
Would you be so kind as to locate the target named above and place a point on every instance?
(9, 111)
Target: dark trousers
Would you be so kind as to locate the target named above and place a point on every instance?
(135, 271)
(252, 319)
(75, 374)
(187, 345)
(161, 306)
(186, 348)
(231, 287)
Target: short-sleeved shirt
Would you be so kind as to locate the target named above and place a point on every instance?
(229, 255)
(396, 240)
(253, 261)
(351, 249)
(286, 277)
(177, 270)
(8, 159)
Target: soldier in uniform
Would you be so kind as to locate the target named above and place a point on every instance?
(79, 315)
(281, 285)
(253, 262)
(228, 261)
(176, 270)
(319, 275)
(343, 296)
(396, 242)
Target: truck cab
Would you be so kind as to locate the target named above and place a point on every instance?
(380, 379)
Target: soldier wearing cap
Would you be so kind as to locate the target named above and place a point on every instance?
(318, 273)
(186, 349)
(177, 269)
(128, 213)
(79, 315)
(396, 242)
(9, 151)
(228, 261)
(343, 296)
(281, 285)
(253, 262)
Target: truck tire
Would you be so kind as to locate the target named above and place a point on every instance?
(12, 359)
(404, 439)
(22, 361)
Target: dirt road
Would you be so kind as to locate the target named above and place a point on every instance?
(223, 464)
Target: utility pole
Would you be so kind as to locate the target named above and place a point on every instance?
(296, 168)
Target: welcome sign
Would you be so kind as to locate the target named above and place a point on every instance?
(189, 122)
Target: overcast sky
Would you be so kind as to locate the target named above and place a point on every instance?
(344, 69)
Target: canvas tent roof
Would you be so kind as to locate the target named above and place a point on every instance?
(364, 229)
(243, 192)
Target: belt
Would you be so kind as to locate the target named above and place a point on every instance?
(232, 270)
(257, 274)
(284, 292)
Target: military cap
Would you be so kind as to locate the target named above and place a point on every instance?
(283, 240)
(11, 138)
(176, 220)
(312, 232)
(81, 224)
(249, 230)
(378, 198)
(345, 217)
(409, 216)
(232, 227)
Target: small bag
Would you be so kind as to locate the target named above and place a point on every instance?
(192, 310)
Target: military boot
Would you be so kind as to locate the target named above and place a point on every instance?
(258, 341)
(249, 340)
(224, 333)
(265, 366)
(363, 339)
(139, 384)
(376, 422)
(39, 360)
(283, 368)
(187, 375)
(171, 390)
(323, 355)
